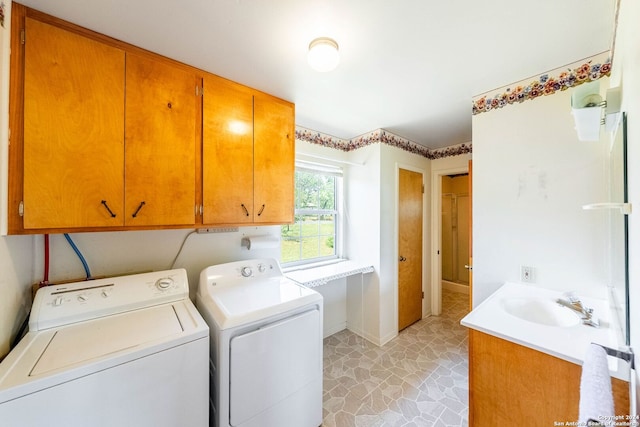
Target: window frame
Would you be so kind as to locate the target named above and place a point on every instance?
(337, 173)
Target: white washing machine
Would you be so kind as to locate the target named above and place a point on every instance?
(124, 351)
(266, 346)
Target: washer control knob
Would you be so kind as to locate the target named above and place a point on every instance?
(164, 283)
(262, 268)
(82, 298)
(246, 271)
(104, 293)
(57, 301)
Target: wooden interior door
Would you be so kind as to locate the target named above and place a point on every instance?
(160, 143)
(274, 159)
(227, 163)
(73, 129)
(410, 219)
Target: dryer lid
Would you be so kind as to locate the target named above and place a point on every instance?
(242, 302)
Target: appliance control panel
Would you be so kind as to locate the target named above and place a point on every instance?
(59, 305)
(238, 271)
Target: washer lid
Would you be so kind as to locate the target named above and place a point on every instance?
(90, 340)
(241, 302)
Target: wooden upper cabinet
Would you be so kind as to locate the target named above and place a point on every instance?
(73, 130)
(227, 152)
(248, 155)
(274, 159)
(161, 141)
(108, 136)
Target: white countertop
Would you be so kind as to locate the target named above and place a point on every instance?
(318, 276)
(565, 342)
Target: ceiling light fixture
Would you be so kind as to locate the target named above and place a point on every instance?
(323, 54)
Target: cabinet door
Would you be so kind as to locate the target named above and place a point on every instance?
(160, 143)
(227, 157)
(274, 158)
(73, 130)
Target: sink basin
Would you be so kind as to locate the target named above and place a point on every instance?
(541, 311)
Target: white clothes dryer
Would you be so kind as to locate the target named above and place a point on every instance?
(123, 351)
(266, 346)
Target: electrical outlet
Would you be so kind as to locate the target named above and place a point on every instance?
(526, 274)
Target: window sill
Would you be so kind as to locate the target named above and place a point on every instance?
(312, 265)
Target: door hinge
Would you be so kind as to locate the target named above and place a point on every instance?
(22, 36)
(422, 188)
(423, 295)
(21, 208)
(199, 91)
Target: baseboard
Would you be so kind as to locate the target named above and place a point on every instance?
(455, 287)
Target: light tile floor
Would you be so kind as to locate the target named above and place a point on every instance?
(420, 378)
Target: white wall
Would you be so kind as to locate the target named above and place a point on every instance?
(362, 233)
(128, 252)
(626, 74)
(16, 275)
(531, 176)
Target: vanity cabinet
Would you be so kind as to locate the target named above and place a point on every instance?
(107, 136)
(511, 385)
(248, 155)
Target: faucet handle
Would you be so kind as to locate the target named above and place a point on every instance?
(571, 296)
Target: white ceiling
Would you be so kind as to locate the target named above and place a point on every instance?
(407, 66)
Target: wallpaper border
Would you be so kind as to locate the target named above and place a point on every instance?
(379, 136)
(563, 78)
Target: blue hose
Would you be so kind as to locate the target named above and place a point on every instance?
(77, 251)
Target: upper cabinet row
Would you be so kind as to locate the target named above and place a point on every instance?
(106, 136)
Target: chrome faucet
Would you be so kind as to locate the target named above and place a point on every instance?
(574, 303)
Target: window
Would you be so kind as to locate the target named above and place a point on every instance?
(314, 236)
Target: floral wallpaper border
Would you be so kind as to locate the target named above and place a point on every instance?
(561, 79)
(379, 136)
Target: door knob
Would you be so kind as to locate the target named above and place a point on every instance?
(402, 258)
(468, 267)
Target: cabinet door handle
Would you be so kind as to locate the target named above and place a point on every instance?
(104, 203)
(135, 214)
(246, 212)
(261, 209)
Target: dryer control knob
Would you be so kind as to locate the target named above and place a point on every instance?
(246, 271)
(164, 283)
(262, 268)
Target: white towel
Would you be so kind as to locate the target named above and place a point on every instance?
(596, 397)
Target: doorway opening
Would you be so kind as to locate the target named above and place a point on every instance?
(454, 244)
(437, 177)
